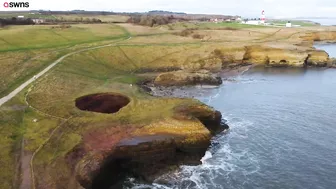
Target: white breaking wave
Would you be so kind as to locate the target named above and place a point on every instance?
(216, 95)
(207, 156)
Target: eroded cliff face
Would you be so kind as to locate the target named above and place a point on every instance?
(266, 55)
(274, 57)
(146, 151)
(318, 58)
(325, 36)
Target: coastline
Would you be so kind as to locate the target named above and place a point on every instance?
(191, 91)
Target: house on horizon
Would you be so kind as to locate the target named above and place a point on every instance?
(216, 20)
(288, 24)
(38, 20)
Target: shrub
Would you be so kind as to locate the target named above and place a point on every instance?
(198, 36)
(218, 53)
(185, 33)
(148, 20)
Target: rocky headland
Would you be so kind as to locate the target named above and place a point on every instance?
(153, 149)
(130, 133)
(106, 156)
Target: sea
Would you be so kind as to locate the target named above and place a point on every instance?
(324, 21)
(282, 133)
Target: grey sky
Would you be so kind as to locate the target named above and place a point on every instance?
(251, 8)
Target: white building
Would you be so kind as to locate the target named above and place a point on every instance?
(263, 17)
(20, 16)
(288, 24)
(252, 22)
(38, 20)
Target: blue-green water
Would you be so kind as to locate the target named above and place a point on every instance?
(330, 48)
(325, 21)
(283, 134)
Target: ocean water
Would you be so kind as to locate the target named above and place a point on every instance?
(282, 134)
(325, 21)
(330, 48)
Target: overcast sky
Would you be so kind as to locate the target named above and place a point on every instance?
(250, 8)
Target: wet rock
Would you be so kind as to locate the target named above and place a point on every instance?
(332, 62)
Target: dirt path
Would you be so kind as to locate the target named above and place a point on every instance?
(32, 180)
(25, 84)
(25, 168)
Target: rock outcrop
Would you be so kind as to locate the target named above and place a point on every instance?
(182, 78)
(317, 58)
(332, 62)
(325, 36)
(274, 57)
(148, 150)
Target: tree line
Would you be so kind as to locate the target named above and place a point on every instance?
(15, 21)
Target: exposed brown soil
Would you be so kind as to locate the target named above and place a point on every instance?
(25, 168)
(108, 103)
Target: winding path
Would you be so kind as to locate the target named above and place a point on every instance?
(31, 80)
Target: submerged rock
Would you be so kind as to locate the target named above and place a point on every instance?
(182, 78)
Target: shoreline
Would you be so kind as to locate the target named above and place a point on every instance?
(191, 91)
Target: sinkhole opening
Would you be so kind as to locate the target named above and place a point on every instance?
(107, 103)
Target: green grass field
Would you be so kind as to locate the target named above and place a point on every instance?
(16, 38)
(211, 26)
(26, 15)
(69, 17)
(103, 18)
(25, 50)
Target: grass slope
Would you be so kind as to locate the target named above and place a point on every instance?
(26, 50)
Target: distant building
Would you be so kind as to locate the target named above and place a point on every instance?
(255, 21)
(215, 20)
(20, 16)
(252, 22)
(263, 17)
(288, 24)
(38, 20)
